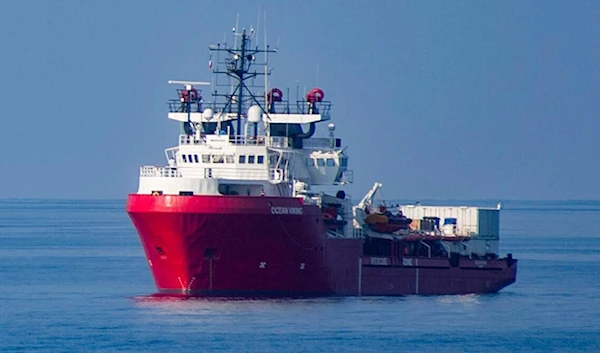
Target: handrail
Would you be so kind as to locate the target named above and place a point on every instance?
(272, 174)
(261, 140)
(150, 171)
(428, 248)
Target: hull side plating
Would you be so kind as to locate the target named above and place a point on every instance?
(273, 246)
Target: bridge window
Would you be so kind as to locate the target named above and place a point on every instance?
(251, 159)
(310, 162)
(229, 158)
(242, 159)
(261, 159)
(184, 157)
(196, 158)
(217, 158)
(205, 158)
(320, 162)
(189, 158)
(330, 162)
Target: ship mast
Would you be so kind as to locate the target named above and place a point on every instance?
(238, 64)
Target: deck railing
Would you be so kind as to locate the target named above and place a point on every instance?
(230, 173)
(239, 140)
(150, 171)
(272, 174)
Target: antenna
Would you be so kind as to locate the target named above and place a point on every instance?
(317, 75)
(237, 23)
(194, 83)
(288, 100)
(258, 28)
(266, 58)
(298, 94)
(241, 74)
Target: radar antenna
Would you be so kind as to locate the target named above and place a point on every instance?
(238, 66)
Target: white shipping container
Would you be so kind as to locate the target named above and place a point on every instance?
(470, 221)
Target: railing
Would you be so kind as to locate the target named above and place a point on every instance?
(242, 140)
(150, 171)
(358, 233)
(271, 141)
(277, 174)
(239, 140)
(190, 140)
(278, 142)
(229, 173)
(176, 106)
(283, 107)
(273, 174)
(347, 177)
(301, 107)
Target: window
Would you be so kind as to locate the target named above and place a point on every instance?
(251, 159)
(217, 158)
(320, 162)
(229, 158)
(330, 162)
(310, 162)
(205, 158)
(189, 158)
(261, 160)
(242, 159)
(184, 157)
(196, 158)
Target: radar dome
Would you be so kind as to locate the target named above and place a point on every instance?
(254, 114)
(207, 114)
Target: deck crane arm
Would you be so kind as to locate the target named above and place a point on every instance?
(368, 199)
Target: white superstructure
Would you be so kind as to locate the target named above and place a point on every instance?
(250, 141)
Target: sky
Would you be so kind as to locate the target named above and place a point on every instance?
(435, 99)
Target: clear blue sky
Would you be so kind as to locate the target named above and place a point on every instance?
(436, 99)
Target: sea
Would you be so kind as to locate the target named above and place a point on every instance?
(73, 278)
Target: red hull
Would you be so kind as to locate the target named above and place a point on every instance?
(274, 246)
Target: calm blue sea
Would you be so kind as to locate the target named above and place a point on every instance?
(73, 278)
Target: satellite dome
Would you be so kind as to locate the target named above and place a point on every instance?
(207, 114)
(254, 114)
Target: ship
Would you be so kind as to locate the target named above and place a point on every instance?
(239, 210)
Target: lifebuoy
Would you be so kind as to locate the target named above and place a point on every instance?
(189, 95)
(275, 95)
(315, 95)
